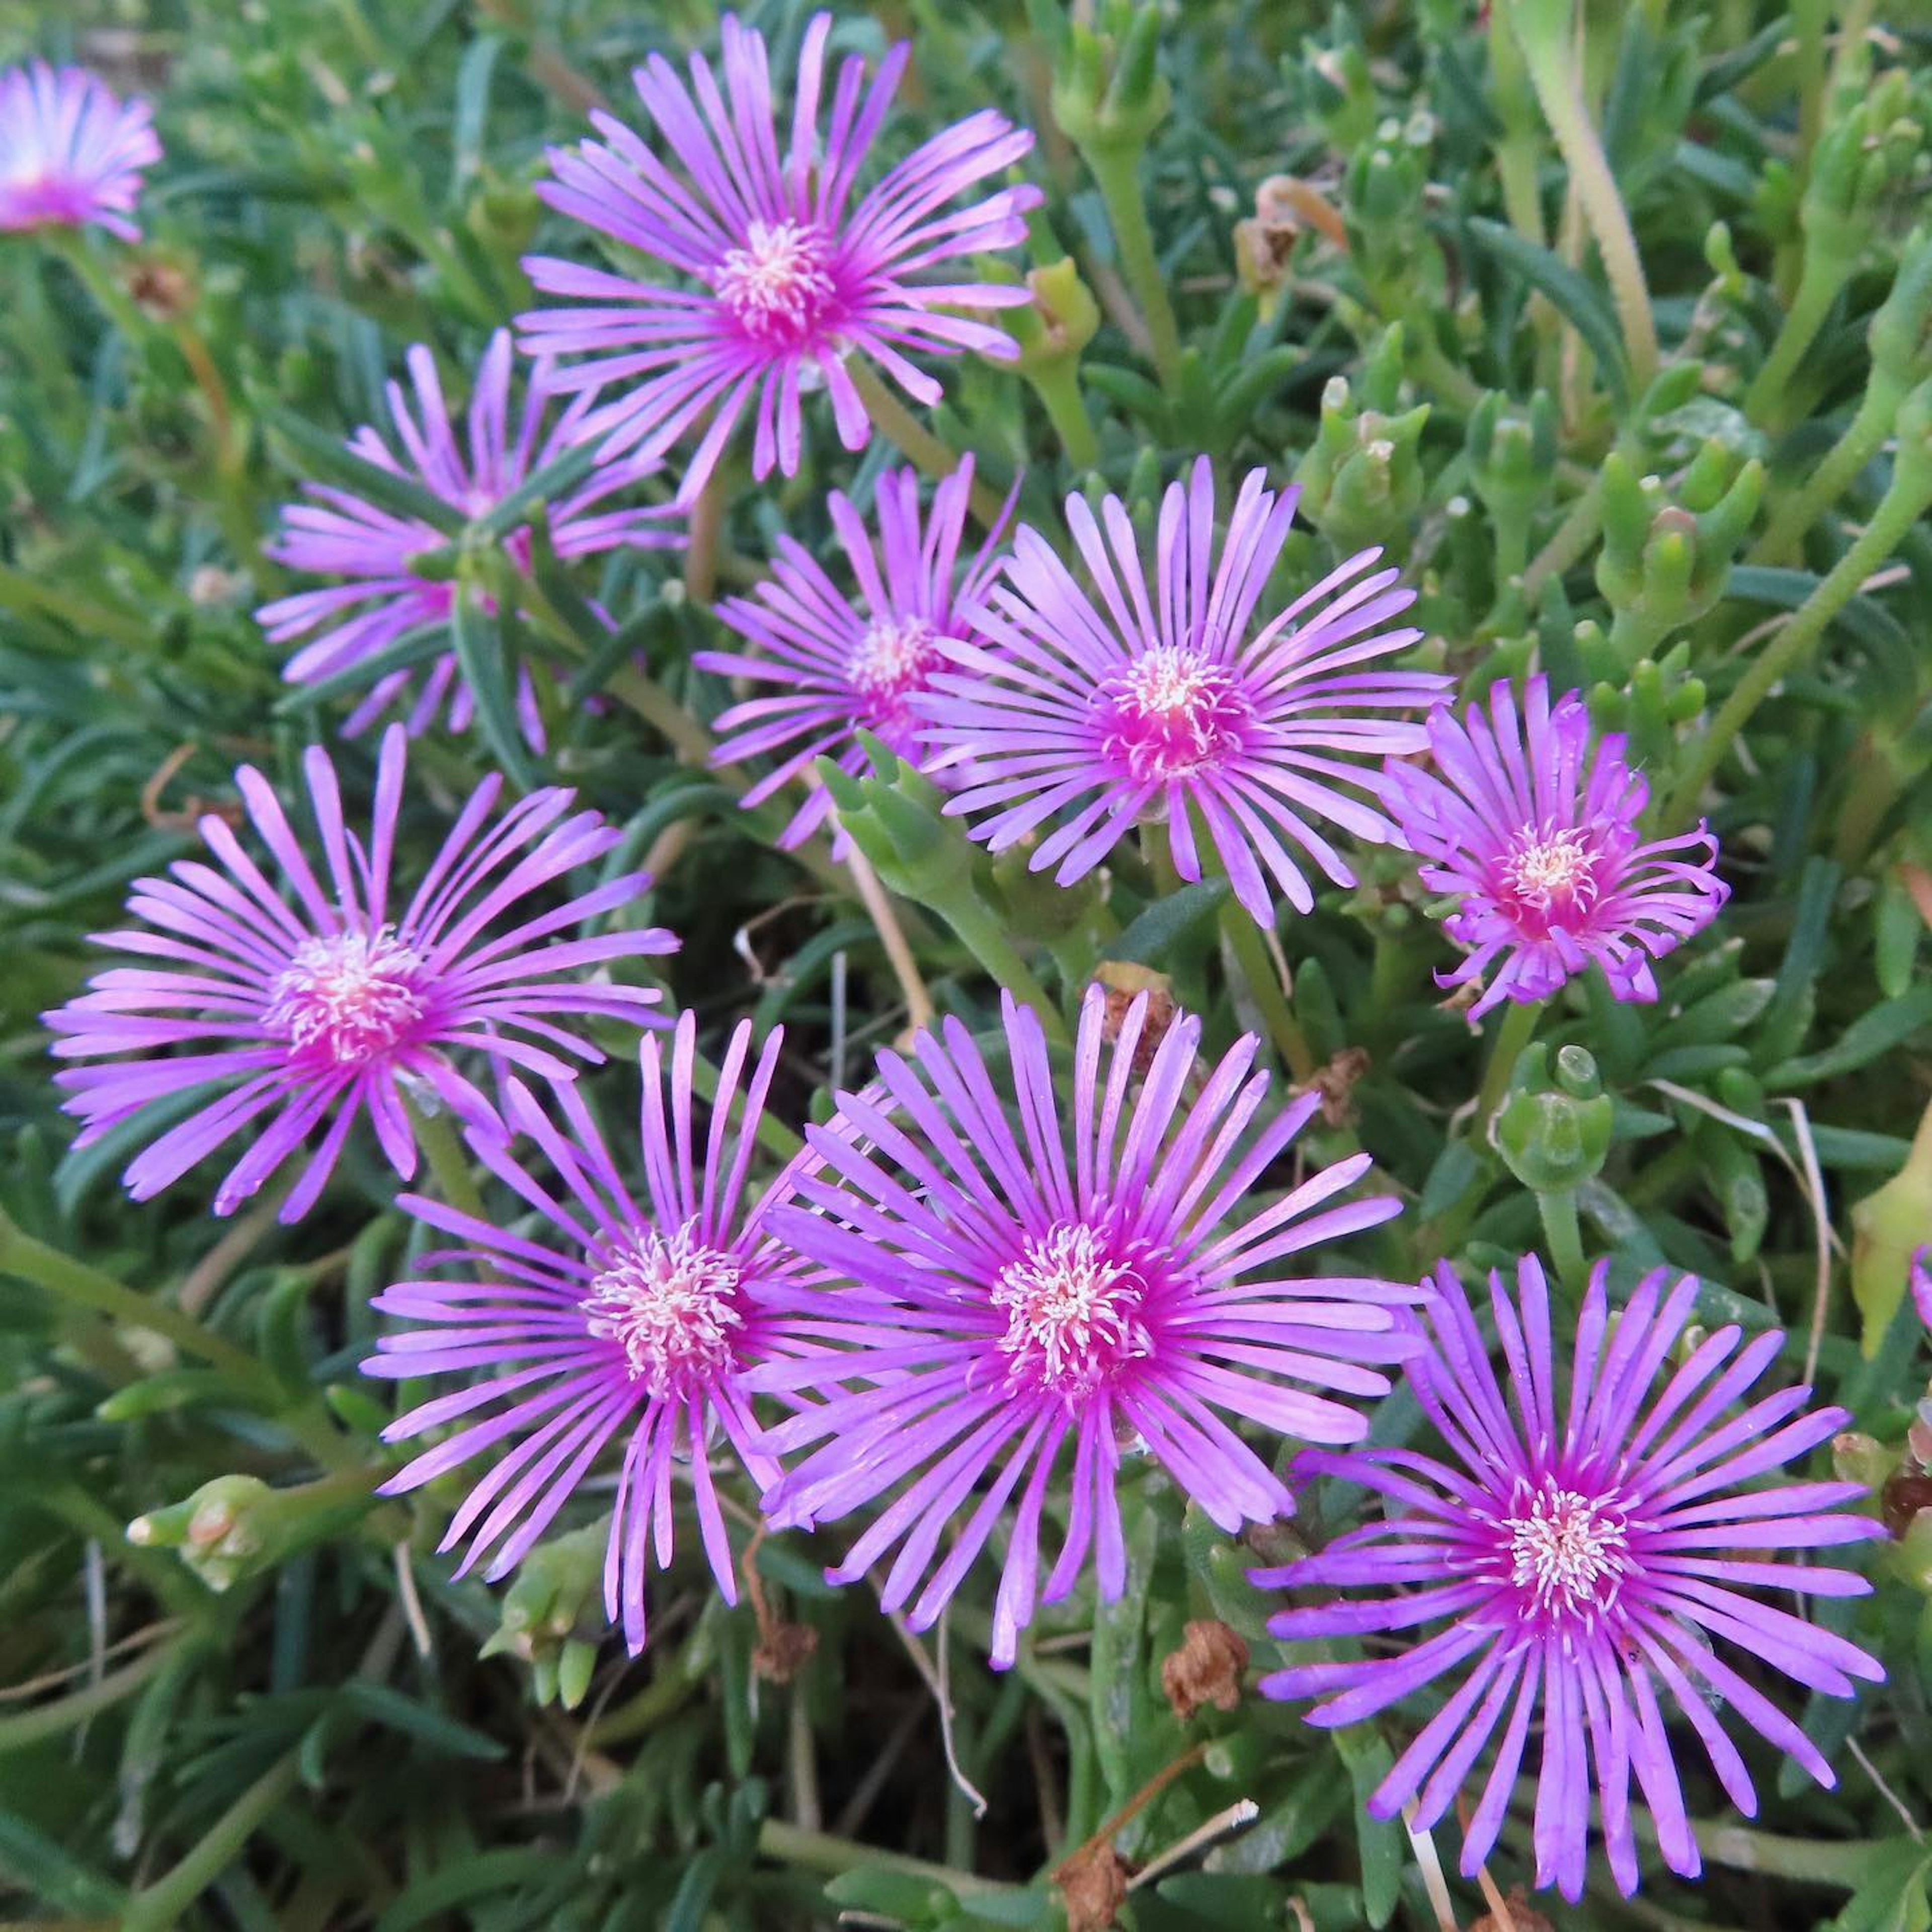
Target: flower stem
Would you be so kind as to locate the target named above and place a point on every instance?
(914, 441)
(1250, 951)
(1057, 385)
(701, 556)
(72, 1281)
(1863, 439)
(1517, 1030)
(48, 1721)
(1822, 277)
(981, 935)
(157, 1907)
(1905, 502)
(436, 1134)
(1565, 1235)
(1117, 171)
(878, 905)
(1543, 31)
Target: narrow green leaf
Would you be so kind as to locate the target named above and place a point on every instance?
(324, 454)
(1571, 293)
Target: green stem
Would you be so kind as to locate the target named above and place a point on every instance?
(1543, 29)
(701, 556)
(820, 1852)
(157, 1907)
(1864, 438)
(979, 933)
(1905, 502)
(109, 293)
(1570, 539)
(1251, 953)
(1819, 282)
(1117, 173)
(913, 441)
(448, 1165)
(650, 700)
(49, 1720)
(1565, 1237)
(1057, 384)
(75, 1282)
(1517, 1030)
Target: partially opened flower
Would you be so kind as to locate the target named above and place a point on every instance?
(1582, 1573)
(622, 1316)
(383, 598)
(1084, 713)
(306, 1002)
(70, 154)
(1053, 1283)
(778, 268)
(1538, 838)
(844, 664)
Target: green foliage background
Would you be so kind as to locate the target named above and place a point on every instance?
(336, 1735)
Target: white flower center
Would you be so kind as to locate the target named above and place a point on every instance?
(348, 997)
(670, 1305)
(779, 285)
(1171, 712)
(1552, 871)
(893, 657)
(1567, 1552)
(1073, 1309)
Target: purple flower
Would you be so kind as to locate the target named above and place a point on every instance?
(778, 276)
(1539, 839)
(1921, 1279)
(340, 534)
(70, 154)
(1580, 1574)
(1093, 711)
(321, 1000)
(845, 667)
(618, 1315)
(1028, 1304)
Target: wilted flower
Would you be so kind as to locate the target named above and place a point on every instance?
(846, 666)
(1539, 839)
(306, 1003)
(352, 625)
(70, 154)
(1578, 1572)
(779, 277)
(1028, 1304)
(621, 1316)
(1089, 715)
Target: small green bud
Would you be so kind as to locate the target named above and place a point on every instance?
(1109, 95)
(1553, 1131)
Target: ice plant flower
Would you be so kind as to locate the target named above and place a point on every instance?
(70, 154)
(1538, 839)
(844, 664)
(616, 1315)
(313, 1001)
(383, 598)
(1581, 1573)
(776, 273)
(1032, 1306)
(1087, 712)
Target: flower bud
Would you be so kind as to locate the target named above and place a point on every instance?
(1109, 95)
(1553, 1132)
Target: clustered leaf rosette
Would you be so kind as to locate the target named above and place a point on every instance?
(71, 154)
(781, 274)
(843, 664)
(385, 596)
(620, 1315)
(1080, 713)
(1582, 1572)
(1537, 836)
(316, 1001)
(1043, 1282)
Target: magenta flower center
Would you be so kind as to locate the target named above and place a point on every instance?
(671, 1305)
(347, 998)
(778, 287)
(1170, 713)
(1073, 1305)
(1552, 874)
(1566, 1553)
